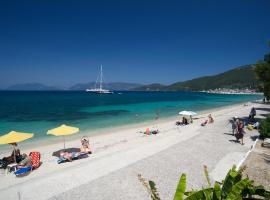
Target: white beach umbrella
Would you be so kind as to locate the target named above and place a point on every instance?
(189, 113)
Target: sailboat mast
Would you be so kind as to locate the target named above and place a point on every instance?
(101, 78)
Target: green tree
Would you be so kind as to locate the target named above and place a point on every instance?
(262, 70)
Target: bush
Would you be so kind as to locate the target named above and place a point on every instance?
(264, 128)
(233, 187)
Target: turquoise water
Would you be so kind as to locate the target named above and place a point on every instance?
(37, 112)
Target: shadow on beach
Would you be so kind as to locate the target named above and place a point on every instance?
(69, 150)
(228, 134)
(234, 141)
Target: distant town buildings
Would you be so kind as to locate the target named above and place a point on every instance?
(231, 91)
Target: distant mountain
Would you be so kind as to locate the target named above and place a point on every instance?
(151, 87)
(240, 77)
(120, 86)
(31, 87)
(82, 86)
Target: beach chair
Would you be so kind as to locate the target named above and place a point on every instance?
(35, 159)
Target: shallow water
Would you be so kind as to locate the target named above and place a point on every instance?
(37, 112)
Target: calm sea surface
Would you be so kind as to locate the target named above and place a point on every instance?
(37, 112)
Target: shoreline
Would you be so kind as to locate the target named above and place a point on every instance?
(122, 154)
(140, 126)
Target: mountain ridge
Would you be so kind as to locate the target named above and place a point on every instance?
(237, 78)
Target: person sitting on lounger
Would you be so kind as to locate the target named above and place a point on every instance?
(210, 119)
(13, 159)
(26, 162)
(85, 145)
(184, 122)
(204, 123)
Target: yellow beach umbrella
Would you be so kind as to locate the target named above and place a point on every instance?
(63, 130)
(14, 137)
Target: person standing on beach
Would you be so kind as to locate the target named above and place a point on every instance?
(234, 126)
(252, 114)
(240, 132)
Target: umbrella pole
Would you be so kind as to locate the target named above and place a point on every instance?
(64, 143)
(14, 150)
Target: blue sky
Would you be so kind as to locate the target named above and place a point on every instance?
(65, 42)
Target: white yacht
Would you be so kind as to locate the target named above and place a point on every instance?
(99, 89)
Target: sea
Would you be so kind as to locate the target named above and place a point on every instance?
(37, 112)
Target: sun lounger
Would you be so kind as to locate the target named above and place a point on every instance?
(266, 143)
(35, 163)
(75, 155)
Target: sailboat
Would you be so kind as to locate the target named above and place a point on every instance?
(99, 89)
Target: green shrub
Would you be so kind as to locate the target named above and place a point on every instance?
(233, 187)
(264, 128)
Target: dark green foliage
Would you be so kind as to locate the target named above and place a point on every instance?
(264, 128)
(150, 186)
(238, 78)
(202, 194)
(151, 87)
(154, 195)
(217, 192)
(262, 70)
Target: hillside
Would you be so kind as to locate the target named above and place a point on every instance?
(238, 78)
(151, 87)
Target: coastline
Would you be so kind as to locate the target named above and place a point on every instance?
(118, 155)
(135, 127)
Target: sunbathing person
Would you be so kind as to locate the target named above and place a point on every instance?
(150, 132)
(204, 123)
(85, 145)
(13, 158)
(210, 119)
(184, 122)
(26, 162)
(66, 155)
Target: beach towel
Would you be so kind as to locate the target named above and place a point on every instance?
(35, 158)
(75, 155)
(23, 170)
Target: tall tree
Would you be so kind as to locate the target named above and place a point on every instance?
(262, 70)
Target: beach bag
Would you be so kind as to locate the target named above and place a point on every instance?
(250, 127)
(35, 158)
(3, 164)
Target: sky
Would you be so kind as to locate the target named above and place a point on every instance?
(63, 42)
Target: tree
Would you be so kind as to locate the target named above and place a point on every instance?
(262, 70)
